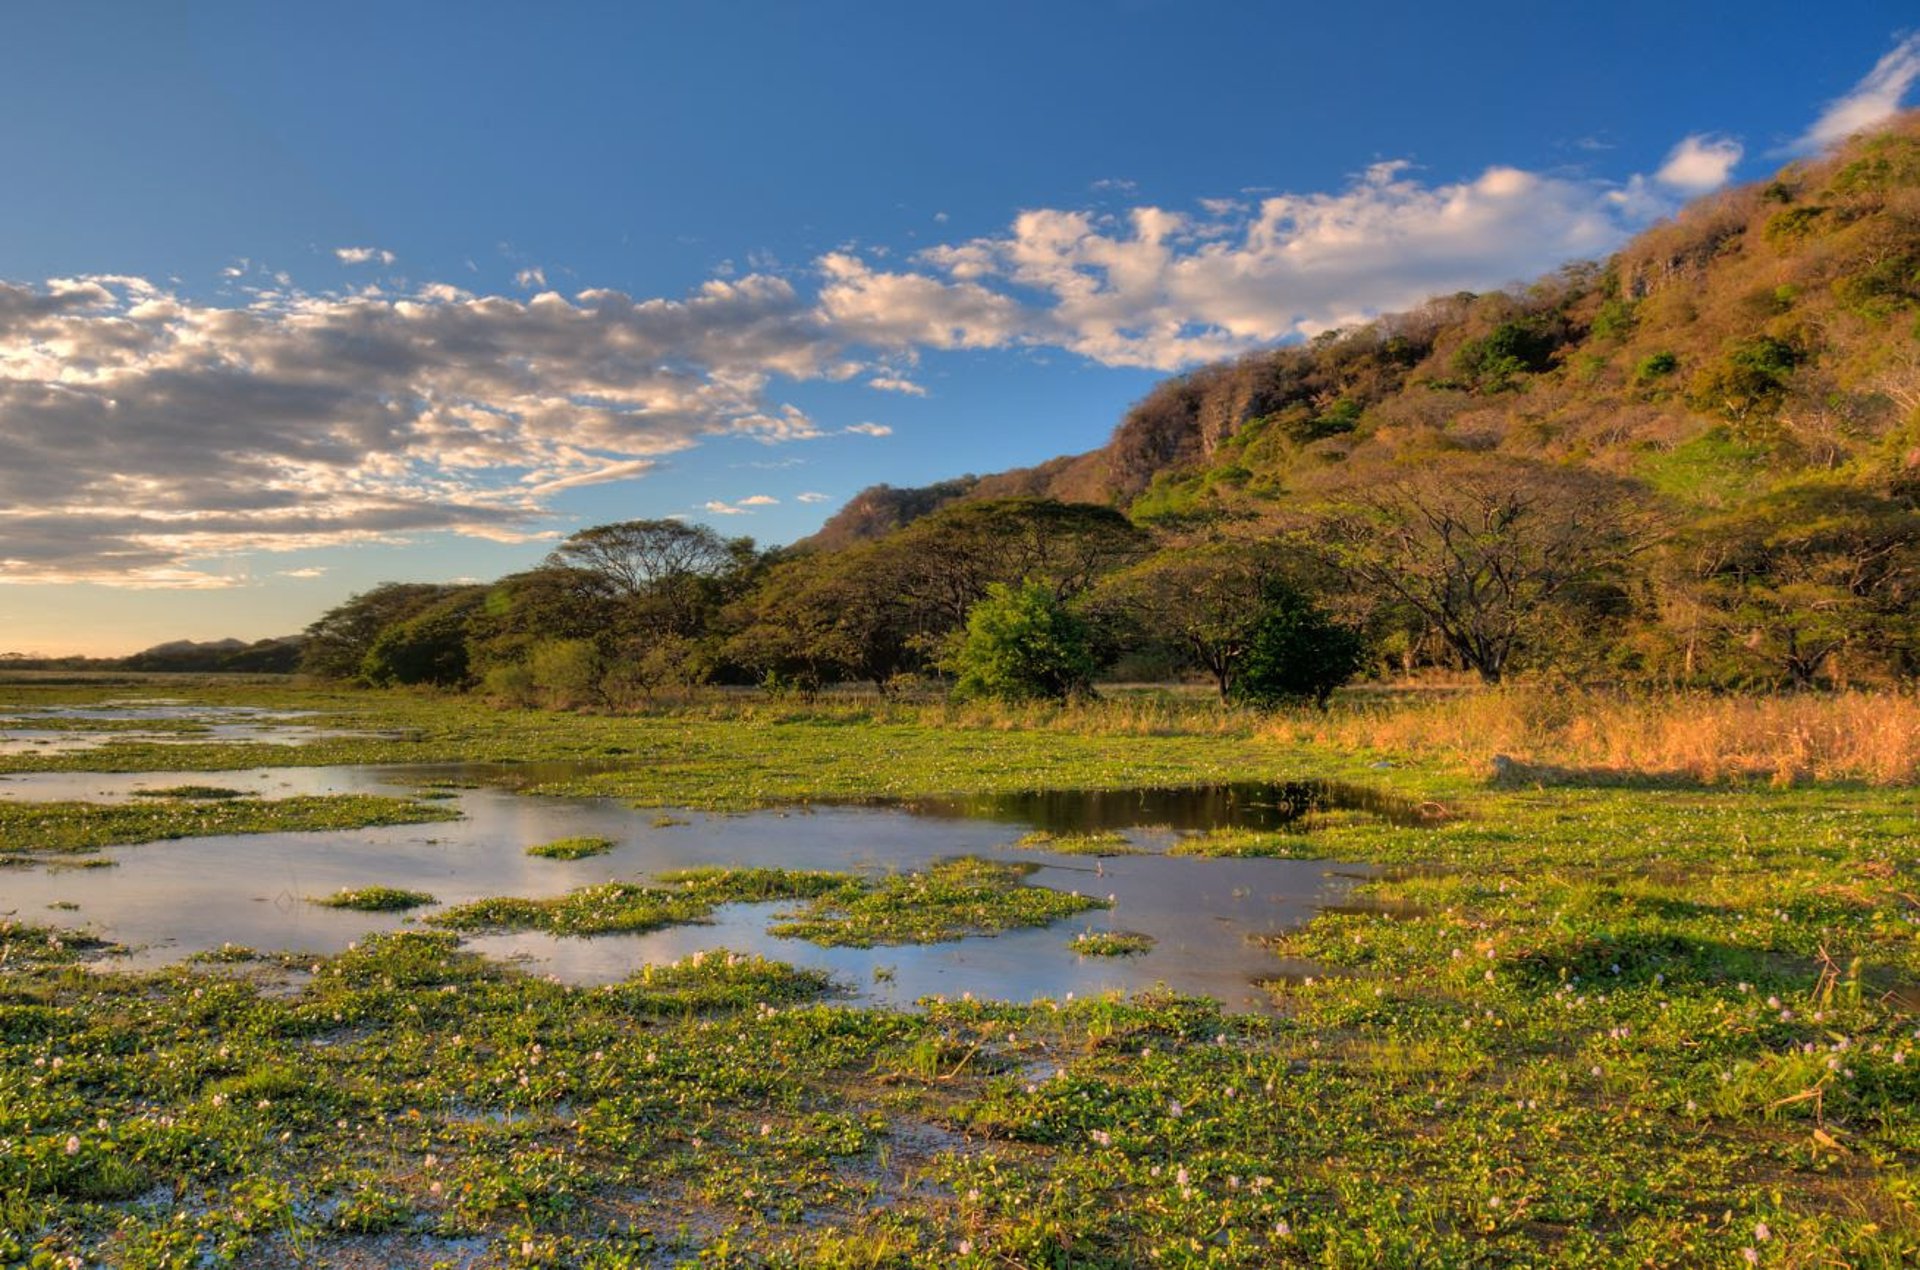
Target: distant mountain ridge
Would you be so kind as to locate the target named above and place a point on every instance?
(279, 655)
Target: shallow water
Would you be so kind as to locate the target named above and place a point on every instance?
(167, 900)
(25, 730)
(1263, 805)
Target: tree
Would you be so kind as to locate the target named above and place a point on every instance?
(1490, 551)
(1296, 653)
(1207, 600)
(429, 647)
(524, 610)
(822, 617)
(1813, 568)
(668, 576)
(1022, 645)
(337, 643)
(637, 556)
(944, 564)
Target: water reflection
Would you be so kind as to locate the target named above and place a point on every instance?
(53, 730)
(1257, 805)
(167, 900)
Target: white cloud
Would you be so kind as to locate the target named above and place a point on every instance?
(759, 500)
(625, 470)
(893, 383)
(311, 571)
(869, 429)
(531, 277)
(1164, 289)
(1871, 101)
(363, 255)
(905, 310)
(718, 508)
(1700, 164)
(145, 431)
(812, 496)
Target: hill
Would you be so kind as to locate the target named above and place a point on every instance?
(1764, 333)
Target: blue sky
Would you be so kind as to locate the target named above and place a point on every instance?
(297, 299)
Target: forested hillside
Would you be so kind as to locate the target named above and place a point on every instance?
(1697, 462)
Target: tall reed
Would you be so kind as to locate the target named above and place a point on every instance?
(1548, 734)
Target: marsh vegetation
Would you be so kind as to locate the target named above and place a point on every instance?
(1591, 1013)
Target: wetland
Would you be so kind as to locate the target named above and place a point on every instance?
(883, 990)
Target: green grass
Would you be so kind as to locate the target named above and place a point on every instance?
(33, 828)
(951, 900)
(1110, 943)
(688, 895)
(1248, 844)
(375, 899)
(578, 848)
(738, 755)
(204, 793)
(1101, 843)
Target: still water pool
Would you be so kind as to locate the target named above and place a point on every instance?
(164, 901)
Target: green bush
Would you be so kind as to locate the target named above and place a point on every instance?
(1655, 366)
(1022, 645)
(566, 672)
(1297, 654)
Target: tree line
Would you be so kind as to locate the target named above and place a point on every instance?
(1479, 563)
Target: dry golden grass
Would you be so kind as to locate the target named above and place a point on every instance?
(1551, 734)
(1547, 733)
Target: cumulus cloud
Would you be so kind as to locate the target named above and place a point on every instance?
(312, 571)
(1871, 101)
(908, 310)
(759, 500)
(812, 496)
(894, 383)
(531, 277)
(869, 430)
(1162, 288)
(718, 508)
(144, 430)
(362, 255)
(1700, 164)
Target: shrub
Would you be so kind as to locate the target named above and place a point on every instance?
(1022, 645)
(1297, 654)
(566, 672)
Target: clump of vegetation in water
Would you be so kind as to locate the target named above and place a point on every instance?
(1247, 843)
(1110, 943)
(951, 900)
(1099, 842)
(577, 848)
(71, 826)
(375, 899)
(201, 793)
(687, 895)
